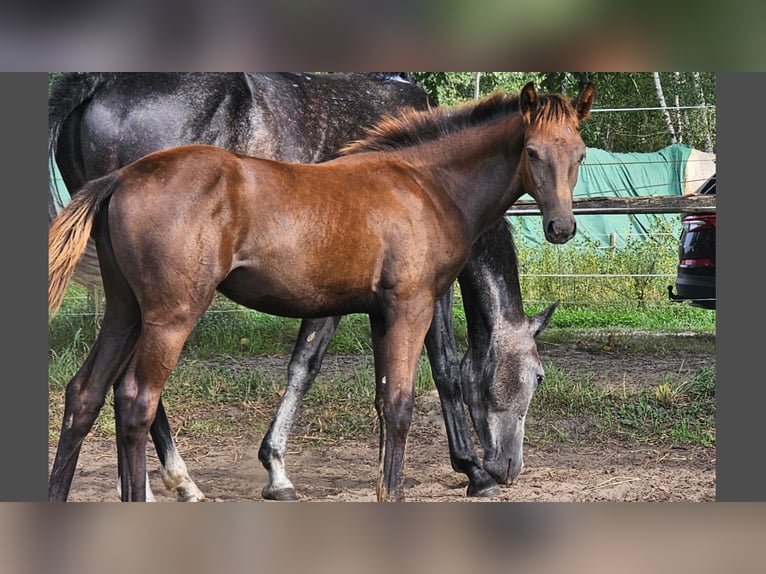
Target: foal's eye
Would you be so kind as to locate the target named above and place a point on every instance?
(532, 154)
(540, 379)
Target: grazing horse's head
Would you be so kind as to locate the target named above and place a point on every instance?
(498, 397)
(553, 151)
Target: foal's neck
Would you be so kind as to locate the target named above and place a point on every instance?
(477, 170)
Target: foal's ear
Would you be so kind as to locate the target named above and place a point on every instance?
(528, 101)
(584, 101)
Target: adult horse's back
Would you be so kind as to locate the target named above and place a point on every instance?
(100, 122)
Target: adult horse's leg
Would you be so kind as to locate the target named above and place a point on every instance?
(85, 395)
(445, 368)
(313, 338)
(173, 469)
(397, 341)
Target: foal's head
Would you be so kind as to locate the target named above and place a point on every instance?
(553, 152)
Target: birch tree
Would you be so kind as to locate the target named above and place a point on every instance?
(664, 106)
(703, 103)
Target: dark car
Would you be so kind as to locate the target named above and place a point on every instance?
(695, 276)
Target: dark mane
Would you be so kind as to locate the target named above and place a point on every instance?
(411, 127)
(556, 109)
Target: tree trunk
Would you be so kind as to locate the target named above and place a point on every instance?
(664, 106)
(703, 103)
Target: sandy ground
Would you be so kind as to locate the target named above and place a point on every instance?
(226, 468)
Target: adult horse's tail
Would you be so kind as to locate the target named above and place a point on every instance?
(69, 233)
(68, 93)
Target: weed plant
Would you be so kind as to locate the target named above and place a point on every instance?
(678, 411)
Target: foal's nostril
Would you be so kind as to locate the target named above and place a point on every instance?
(563, 229)
(551, 229)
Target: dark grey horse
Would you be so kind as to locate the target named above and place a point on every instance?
(99, 122)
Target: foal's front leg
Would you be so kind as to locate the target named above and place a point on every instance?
(397, 340)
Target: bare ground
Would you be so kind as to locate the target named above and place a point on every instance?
(226, 467)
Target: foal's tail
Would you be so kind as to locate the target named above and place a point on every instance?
(68, 235)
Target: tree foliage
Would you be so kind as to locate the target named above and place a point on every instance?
(634, 128)
(448, 88)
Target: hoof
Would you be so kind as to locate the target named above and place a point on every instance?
(283, 494)
(484, 492)
(190, 496)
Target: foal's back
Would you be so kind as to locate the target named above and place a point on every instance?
(282, 238)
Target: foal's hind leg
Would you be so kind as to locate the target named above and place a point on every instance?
(137, 395)
(85, 396)
(313, 338)
(445, 367)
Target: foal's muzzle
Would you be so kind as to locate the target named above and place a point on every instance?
(560, 230)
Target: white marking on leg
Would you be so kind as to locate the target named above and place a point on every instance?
(149, 494)
(277, 477)
(286, 413)
(176, 477)
(311, 336)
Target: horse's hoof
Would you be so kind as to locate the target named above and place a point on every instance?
(190, 496)
(283, 494)
(483, 492)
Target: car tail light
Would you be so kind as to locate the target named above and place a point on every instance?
(698, 222)
(686, 263)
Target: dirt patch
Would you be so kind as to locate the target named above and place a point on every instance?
(226, 467)
(615, 362)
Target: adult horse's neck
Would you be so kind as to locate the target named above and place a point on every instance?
(491, 279)
(476, 168)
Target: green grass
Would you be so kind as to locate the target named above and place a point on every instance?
(677, 411)
(637, 272)
(230, 330)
